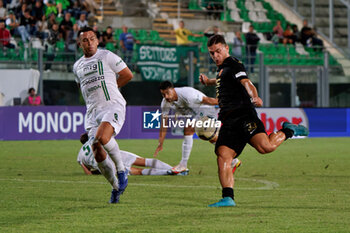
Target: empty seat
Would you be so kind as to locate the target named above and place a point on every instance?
(249, 5)
(262, 17)
(117, 33)
(110, 46)
(235, 16)
(193, 5)
(259, 7)
(253, 16)
(232, 6)
(262, 38)
(300, 49)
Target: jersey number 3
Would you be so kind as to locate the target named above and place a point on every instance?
(87, 149)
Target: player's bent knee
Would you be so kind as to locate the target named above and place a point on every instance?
(101, 139)
(265, 150)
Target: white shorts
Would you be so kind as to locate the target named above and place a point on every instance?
(114, 114)
(128, 159)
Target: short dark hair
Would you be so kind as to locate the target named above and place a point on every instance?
(216, 39)
(86, 29)
(30, 90)
(165, 85)
(84, 138)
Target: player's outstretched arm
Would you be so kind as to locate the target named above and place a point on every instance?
(206, 81)
(162, 134)
(86, 170)
(248, 85)
(210, 101)
(125, 75)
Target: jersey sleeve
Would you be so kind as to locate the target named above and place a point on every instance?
(165, 107)
(76, 78)
(115, 62)
(193, 96)
(80, 156)
(239, 71)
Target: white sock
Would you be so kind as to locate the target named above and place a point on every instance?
(108, 172)
(154, 172)
(155, 163)
(113, 151)
(186, 149)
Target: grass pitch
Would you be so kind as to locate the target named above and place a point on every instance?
(304, 186)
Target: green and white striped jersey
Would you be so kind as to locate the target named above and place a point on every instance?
(97, 76)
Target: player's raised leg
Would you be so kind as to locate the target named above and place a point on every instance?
(266, 144)
(298, 130)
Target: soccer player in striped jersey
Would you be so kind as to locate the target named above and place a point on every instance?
(99, 74)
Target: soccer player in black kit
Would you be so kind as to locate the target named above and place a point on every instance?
(238, 98)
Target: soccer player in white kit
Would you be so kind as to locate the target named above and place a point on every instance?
(185, 101)
(88, 162)
(99, 73)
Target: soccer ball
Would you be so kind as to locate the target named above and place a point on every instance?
(207, 128)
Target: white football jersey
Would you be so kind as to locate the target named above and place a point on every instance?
(97, 76)
(86, 157)
(189, 102)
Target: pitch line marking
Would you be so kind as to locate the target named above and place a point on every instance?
(268, 184)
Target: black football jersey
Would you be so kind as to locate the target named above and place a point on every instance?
(231, 94)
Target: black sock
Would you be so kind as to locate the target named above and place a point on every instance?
(288, 132)
(227, 192)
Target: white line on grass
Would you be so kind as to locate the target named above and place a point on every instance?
(268, 185)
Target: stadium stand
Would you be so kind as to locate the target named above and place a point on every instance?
(322, 18)
(232, 15)
(258, 13)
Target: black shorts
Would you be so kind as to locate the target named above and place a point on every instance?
(236, 131)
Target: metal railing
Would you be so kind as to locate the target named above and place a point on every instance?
(262, 72)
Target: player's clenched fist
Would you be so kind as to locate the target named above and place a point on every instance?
(203, 79)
